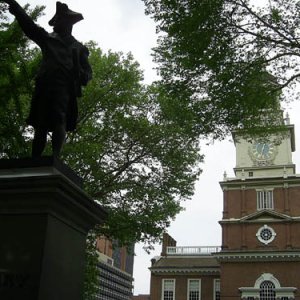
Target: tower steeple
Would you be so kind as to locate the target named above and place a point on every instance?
(265, 156)
(261, 217)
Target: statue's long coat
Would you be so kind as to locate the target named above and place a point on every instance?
(64, 69)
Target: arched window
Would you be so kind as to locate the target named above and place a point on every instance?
(267, 290)
(267, 287)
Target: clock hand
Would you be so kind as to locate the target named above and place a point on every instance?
(263, 150)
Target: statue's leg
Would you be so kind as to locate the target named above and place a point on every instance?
(58, 138)
(39, 142)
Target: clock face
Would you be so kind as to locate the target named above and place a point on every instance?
(263, 151)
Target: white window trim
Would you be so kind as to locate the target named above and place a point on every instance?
(163, 285)
(280, 291)
(267, 277)
(260, 201)
(266, 242)
(215, 280)
(188, 287)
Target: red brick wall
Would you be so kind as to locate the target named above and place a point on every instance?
(141, 297)
(207, 286)
(167, 241)
(235, 275)
(242, 236)
(238, 203)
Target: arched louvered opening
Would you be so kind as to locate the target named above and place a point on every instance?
(267, 290)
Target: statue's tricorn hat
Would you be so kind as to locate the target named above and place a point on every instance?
(62, 11)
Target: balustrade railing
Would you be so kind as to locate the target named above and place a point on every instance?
(185, 250)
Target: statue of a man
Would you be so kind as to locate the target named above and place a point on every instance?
(63, 71)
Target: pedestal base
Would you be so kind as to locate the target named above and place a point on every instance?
(44, 220)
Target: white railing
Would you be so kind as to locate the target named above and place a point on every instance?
(203, 250)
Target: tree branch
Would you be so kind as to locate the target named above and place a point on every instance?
(267, 25)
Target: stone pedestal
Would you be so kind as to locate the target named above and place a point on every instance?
(44, 220)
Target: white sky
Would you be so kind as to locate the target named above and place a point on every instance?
(120, 25)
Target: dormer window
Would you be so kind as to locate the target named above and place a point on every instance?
(265, 199)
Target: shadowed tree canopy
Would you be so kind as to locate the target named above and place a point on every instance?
(136, 146)
(18, 65)
(134, 158)
(137, 163)
(230, 58)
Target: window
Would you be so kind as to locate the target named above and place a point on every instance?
(265, 199)
(267, 290)
(194, 287)
(217, 289)
(266, 234)
(168, 289)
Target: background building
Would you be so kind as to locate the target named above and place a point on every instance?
(115, 271)
(260, 253)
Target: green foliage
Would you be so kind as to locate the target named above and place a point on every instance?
(134, 160)
(133, 156)
(18, 64)
(91, 282)
(216, 55)
(129, 147)
(269, 33)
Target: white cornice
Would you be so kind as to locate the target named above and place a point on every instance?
(258, 256)
(270, 216)
(252, 183)
(267, 212)
(174, 270)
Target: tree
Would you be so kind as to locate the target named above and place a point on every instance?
(230, 59)
(137, 163)
(134, 159)
(269, 32)
(18, 64)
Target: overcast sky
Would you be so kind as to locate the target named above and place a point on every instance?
(120, 25)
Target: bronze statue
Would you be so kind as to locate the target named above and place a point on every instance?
(63, 71)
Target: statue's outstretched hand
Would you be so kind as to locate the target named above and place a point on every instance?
(10, 3)
(7, 1)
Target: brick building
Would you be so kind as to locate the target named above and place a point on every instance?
(260, 253)
(191, 273)
(141, 297)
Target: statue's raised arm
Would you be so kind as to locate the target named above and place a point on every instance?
(64, 70)
(33, 31)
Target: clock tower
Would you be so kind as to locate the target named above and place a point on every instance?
(260, 257)
(261, 156)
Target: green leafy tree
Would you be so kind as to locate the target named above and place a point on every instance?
(269, 32)
(229, 60)
(134, 159)
(18, 64)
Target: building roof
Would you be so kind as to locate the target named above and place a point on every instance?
(141, 297)
(167, 264)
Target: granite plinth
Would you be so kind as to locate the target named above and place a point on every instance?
(44, 219)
